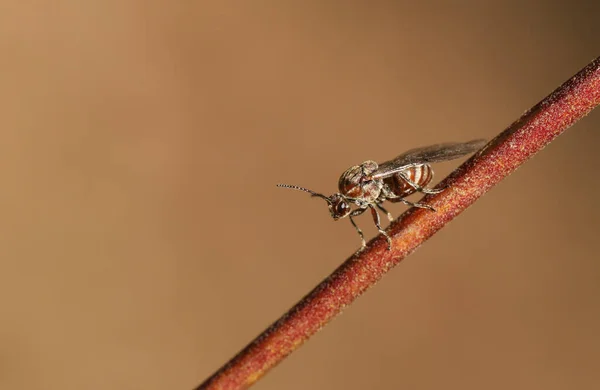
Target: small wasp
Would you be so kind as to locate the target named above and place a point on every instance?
(369, 184)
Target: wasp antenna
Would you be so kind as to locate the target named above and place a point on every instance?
(293, 187)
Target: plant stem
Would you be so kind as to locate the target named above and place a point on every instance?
(511, 148)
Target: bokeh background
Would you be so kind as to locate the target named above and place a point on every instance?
(143, 241)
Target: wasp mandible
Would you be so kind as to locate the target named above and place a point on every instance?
(369, 184)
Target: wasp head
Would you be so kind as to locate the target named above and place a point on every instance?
(338, 206)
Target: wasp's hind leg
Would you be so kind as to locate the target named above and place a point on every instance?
(418, 188)
(411, 204)
(360, 233)
(378, 224)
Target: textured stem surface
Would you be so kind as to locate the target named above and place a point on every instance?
(525, 137)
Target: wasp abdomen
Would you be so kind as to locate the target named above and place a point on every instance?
(421, 175)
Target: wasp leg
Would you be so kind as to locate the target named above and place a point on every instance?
(389, 215)
(411, 204)
(378, 224)
(360, 233)
(419, 188)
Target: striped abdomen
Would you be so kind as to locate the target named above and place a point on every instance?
(420, 175)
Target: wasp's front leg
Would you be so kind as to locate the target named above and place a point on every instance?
(360, 233)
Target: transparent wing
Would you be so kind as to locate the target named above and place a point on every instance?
(426, 155)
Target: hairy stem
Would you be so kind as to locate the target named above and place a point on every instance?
(511, 148)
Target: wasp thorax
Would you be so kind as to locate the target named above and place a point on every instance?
(356, 184)
(339, 206)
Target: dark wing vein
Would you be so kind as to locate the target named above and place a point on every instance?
(426, 155)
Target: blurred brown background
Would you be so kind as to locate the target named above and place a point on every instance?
(143, 241)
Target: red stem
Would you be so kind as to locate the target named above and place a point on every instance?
(528, 135)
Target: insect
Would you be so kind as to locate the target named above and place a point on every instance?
(369, 184)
